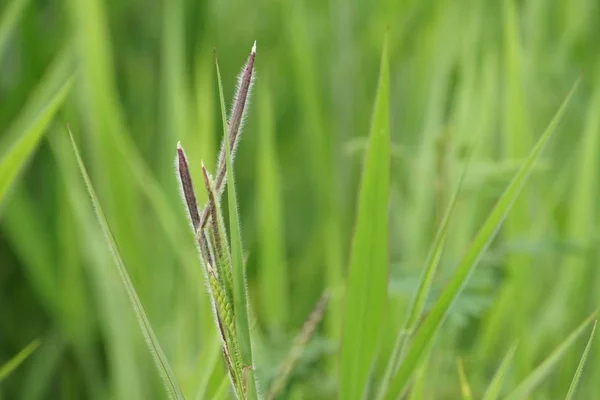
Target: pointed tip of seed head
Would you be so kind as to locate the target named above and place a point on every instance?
(179, 145)
(254, 48)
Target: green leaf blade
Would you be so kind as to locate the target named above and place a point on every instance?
(541, 372)
(18, 359)
(488, 230)
(494, 388)
(160, 360)
(366, 290)
(579, 371)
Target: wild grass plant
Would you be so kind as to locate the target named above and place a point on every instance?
(423, 231)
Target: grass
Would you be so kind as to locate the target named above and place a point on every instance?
(399, 219)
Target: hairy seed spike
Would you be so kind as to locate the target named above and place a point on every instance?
(234, 124)
(212, 207)
(219, 238)
(185, 178)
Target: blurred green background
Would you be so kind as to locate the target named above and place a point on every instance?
(138, 76)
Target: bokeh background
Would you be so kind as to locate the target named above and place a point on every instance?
(139, 75)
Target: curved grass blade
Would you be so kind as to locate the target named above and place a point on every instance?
(366, 285)
(158, 356)
(13, 161)
(493, 390)
(430, 327)
(240, 299)
(18, 359)
(528, 385)
(579, 370)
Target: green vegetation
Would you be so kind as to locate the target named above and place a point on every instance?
(411, 212)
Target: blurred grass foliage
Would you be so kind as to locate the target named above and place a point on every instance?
(133, 77)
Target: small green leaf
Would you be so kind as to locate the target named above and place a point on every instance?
(542, 371)
(579, 370)
(431, 325)
(158, 356)
(366, 285)
(18, 359)
(493, 390)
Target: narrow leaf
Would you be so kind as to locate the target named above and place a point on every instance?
(480, 243)
(541, 372)
(418, 304)
(160, 360)
(299, 346)
(579, 370)
(18, 359)
(465, 388)
(493, 390)
(366, 287)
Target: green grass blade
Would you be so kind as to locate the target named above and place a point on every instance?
(493, 390)
(465, 388)
(579, 370)
(425, 282)
(366, 287)
(541, 372)
(8, 19)
(433, 322)
(158, 356)
(18, 359)
(240, 299)
(15, 158)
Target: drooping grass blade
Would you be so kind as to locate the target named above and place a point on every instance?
(158, 356)
(366, 283)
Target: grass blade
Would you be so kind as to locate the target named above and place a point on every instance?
(366, 287)
(298, 346)
(535, 378)
(10, 15)
(579, 370)
(158, 356)
(17, 155)
(418, 304)
(493, 390)
(239, 274)
(18, 359)
(465, 388)
(436, 317)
